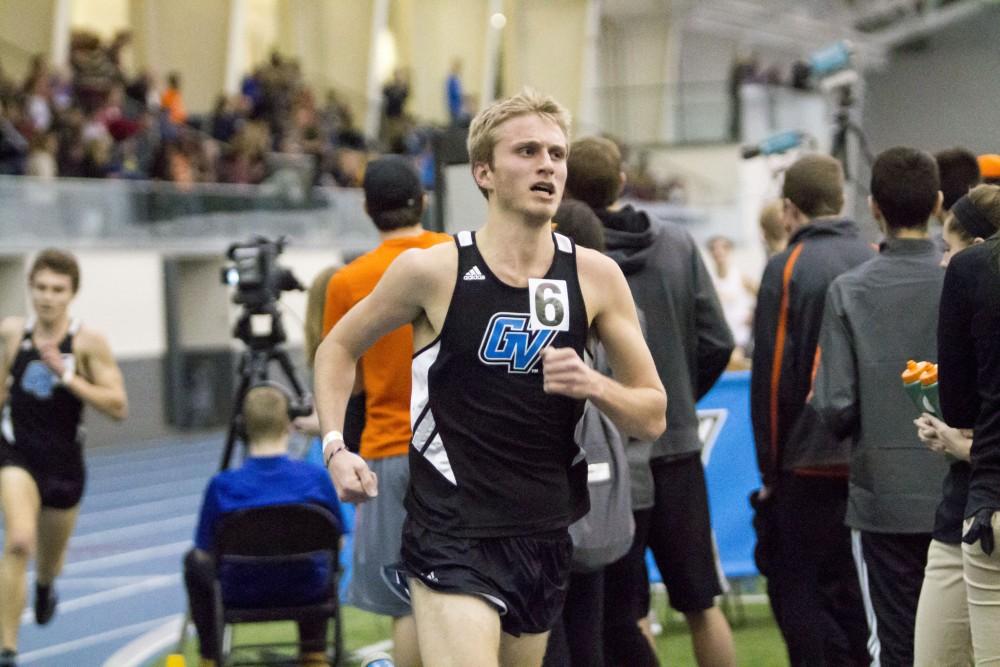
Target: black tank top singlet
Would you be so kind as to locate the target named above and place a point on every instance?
(41, 416)
(492, 453)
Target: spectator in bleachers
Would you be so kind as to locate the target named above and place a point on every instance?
(37, 104)
(97, 101)
(454, 95)
(141, 92)
(225, 119)
(394, 121)
(243, 161)
(42, 159)
(172, 99)
(13, 145)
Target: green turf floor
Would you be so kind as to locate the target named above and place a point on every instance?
(758, 643)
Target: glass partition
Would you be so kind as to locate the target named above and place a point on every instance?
(118, 213)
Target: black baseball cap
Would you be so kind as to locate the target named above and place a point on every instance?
(391, 182)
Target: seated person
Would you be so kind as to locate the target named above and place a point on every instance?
(268, 477)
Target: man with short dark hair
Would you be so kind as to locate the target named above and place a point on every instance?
(51, 366)
(691, 344)
(802, 545)
(267, 477)
(878, 316)
(394, 199)
(958, 171)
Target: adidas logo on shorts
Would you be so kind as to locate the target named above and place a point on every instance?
(474, 274)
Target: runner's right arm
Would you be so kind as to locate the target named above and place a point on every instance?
(10, 329)
(398, 299)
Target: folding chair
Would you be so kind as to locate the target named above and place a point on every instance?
(279, 536)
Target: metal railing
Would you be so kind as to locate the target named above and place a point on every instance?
(201, 217)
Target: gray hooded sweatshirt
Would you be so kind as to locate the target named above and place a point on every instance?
(686, 329)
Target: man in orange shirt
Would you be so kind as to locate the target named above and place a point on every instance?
(172, 100)
(395, 201)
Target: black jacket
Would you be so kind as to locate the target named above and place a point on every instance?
(969, 364)
(685, 327)
(786, 329)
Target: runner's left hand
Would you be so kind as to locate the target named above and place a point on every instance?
(565, 373)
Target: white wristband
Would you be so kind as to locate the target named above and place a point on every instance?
(67, 376)
(331, 437)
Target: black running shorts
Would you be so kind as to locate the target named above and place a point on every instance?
(524, 577)
(60, 480)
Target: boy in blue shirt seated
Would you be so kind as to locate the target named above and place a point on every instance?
(267, 477)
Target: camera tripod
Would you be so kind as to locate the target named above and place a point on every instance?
(844, 128)
(254, 369)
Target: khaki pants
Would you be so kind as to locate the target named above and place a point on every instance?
(942, 636)
(982, 581)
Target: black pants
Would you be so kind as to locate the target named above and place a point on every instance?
(626, 600)
(804, 550)
(199, 575)
(575, 640)
(894, 571)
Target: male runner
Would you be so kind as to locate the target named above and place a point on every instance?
(50, 366)
(499, 321)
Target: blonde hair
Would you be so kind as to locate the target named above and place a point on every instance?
(483, 130)
(315, 304)
(265, 414)
(775, 234)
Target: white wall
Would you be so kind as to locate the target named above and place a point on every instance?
(121, 295)
(13, 293)
(942, 95)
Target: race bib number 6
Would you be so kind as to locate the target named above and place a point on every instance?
(549, 305)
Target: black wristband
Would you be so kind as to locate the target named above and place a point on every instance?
(334, 453)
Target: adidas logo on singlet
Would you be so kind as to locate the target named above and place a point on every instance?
(474, 274)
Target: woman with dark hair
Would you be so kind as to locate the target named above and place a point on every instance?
(969, 385)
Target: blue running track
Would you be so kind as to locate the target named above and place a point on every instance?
(123, 571)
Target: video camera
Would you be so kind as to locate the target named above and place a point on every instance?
(259, 281)
(831, 69)
(255, 273)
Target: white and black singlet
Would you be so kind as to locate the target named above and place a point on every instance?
(492, 453)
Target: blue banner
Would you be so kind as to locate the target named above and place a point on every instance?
(730, 470)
